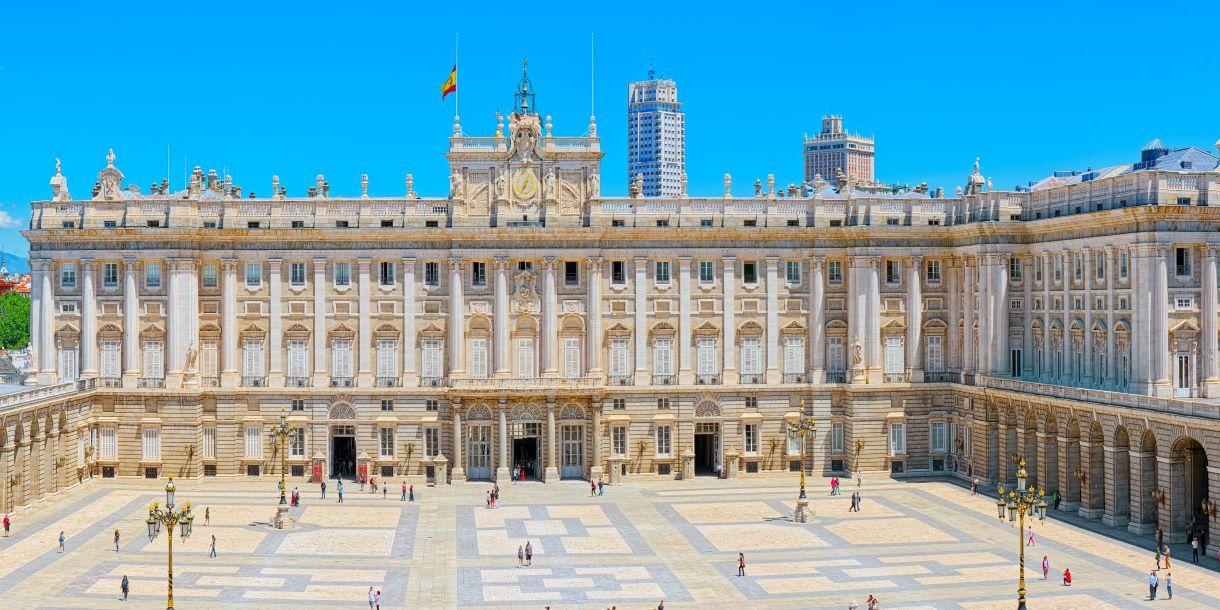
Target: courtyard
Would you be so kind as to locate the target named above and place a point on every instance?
(914, 544)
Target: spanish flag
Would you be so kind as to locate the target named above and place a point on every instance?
(450, 83)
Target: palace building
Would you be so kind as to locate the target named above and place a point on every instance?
(528, 320)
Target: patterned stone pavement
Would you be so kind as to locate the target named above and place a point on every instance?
(914, 545)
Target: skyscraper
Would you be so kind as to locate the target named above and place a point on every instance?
(656, 136)
(836, 150)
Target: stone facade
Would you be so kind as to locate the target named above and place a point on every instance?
(527, 320)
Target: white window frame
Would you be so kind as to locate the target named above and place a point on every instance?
(254, 275)
(432, 362)
(252, 358)
(296, 274)
(253, 441)
(662, 356)
(750, 441)
(154, 359)
(343, 274)
(296, 443)
(152, 275)
(432, 442)
(619, 365)
(67, 275)
(664, 438)
(836, 437)
(387, 358)
(751, 356)
(571, 357)
(111, 359)
(150, 444)
(897, 438)
(209, 442)
(385, 445)
(341, 358)
(479, 368)
(298, 358)
(618, 440)
(108, 444)
(937, 436)
(794, 355)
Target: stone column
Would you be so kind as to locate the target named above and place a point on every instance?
(873, 321)
(983, 345)
(596, 470)
(552, 465)
(1027, 317)
(88, 322)
(550, 320)
(999, 330)
(320, 365)
(410, 373)
(1207, 325)
(1143, 482)
(953, 351)
(1159, 345)
(229, 358)
(641, 321)
(1087, 376)
(49, 368)
(457, 319)
(37, 268)
(364, 333)
(131, 324)
(730, 325)
(1172, 516)
(773, 359)
(459, 470)
(1111, 378)
(174, 348)
(500, 330)
(915, 319)
(968, 342)
(502, 469)
(1046, 318)
(685, 373)
(1067, 376)
(817, 321)
(593, 313)
(275, 332)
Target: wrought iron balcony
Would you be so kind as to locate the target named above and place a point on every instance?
(664, 380)
(110, 382)
(431, 382)
(622, 379)
(836, 376)
(795, 378)
(387, 382)
(342, 382)
(152, 382)
(253, 381)
(749, 379)
(940, 377)
(895, 377)
(298, 382)
(707, 379)
(210, 381)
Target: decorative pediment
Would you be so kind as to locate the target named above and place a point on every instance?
(935, 323)
(152, 331)
(342, 331)
(1183, 327)
(836, 325)
(432, 330)
(209, 330)
(1121, 327)
(894, 325)
(1098, 326)
(571, 325)
(253, 331)
(618, 329)
(662, 328)
(793, 328)
(707, 328)
(749, 327)
(297, 331)
(479, 326)
(386, 331)
(110, 331)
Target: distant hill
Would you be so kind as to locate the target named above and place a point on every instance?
(16, 264)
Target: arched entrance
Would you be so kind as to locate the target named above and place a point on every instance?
(1188, 465)
(479, 443)
(1093, 494)
(342, 445)
(525, 429)
(708, 448)
(1144, 501)
(572, 442)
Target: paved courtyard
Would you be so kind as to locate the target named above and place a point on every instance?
(914, 545)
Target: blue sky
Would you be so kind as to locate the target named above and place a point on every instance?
(303, 88)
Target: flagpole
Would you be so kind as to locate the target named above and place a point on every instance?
(456, 94)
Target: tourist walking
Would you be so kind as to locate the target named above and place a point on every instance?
(1152, 583)
(529, 553)
(207, 515)
(212, 553)
(116, 541)
(520, 555)
(384, 489)
(859, 479)
(404, 492)
(7, 525)
(741, 564)
(1029, 539)
(323, 490)
(1046, 567)
(372, 598)
(125, 586)
(377, 599)
(61, 541)
(1169, 584)
(592, 487)
(601, 487)
(1158, 557)
(339, 491)
(1194, 549)
(1166, 556)
(411, 493)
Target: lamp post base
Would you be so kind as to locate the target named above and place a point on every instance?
(802, 514)
(283, 518)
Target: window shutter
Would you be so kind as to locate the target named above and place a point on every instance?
(432, 359)
(209, 442)
(296, 359)
(571, 357)
(209, 360)
(387, 353)
(794, 354)
(153, 368)
(109, 447)
(934, 354)
(893, 355)
(750, 356)
(525, 358)
(478, 358)
(618, 357)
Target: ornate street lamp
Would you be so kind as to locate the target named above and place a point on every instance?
(803, 428)
(169, 518)
(280, 432)
(1018, 503)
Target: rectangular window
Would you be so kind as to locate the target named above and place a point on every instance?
(933, 271)
(431, 359)
(1182, 261)
(792, 272)
(751, 356)
(343, 274)
(662, 272)
(152, 275)
(432, 442)
(110, 275)
(662, 356)
(209, 442)
(1058, 268)
(836, 437)
(619, 404)
(750, 446)
(1122, 265)
(898, 438)
(706, 355)
(893, 271)
(154, 361)
(1014, 269)
(254, 275)
(618, 357)
(707, 274)
(478, 358)
(432, 404)
(525, 358)
(296, 274)
(1077, 266)
(108, 448)
(341, 358)
(432, 274)
(111, 352)
(210, 279)
(618, 272)
(254, 441)
(749, 272)
(662, 403)
(571, 357)
(385, 273)
(794, 355)
(663, 440)
(68, 360)
(387, 358)
(934, 353)
(298, 404)
(571, 273)
(618, 440)
(298, 354)
(834, 271)
(387, 442)
(151, 446)
(1038, 270)
(478, 273)
(1101, 267)
(938, 437)
(296, 443)
(67, 275)
(253, 358)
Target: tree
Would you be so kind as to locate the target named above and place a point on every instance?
(14, 320)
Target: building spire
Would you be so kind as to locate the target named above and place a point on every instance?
(524, 98)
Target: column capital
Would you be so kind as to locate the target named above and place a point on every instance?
(408, 263)
(550, 262)
(818, 261)
(685, 260)
(230, 264)
(455, 264)
(728, 260)
(595, 263)
(1209, 250)
(916, 261)
(86, 264)
(501, 263)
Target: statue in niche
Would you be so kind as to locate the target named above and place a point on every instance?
(857, 352)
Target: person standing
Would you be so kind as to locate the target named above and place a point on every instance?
(592, 488)
(384, 489)
(377, 599)
(601, 487)
(1169, 584)
(323, 490)
(529, 553)
(212, 553)
(520, 555)
(859, 479)
(1152, 582)
(125, 586)
(339, 491)
(372, 598)
(1166, 556)
(741, 564)
(116, 541)
(61, 541)
(1194, 549)
(411, 493)
(1158, 557)
(7, 525)
(207, 515)
(404, 492)
(1046, 567)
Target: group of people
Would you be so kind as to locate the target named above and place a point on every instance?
(493, 495)
(855, 502)
(834, 486)
(597, 488)
(525, 554)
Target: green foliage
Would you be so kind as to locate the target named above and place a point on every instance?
(14, 320)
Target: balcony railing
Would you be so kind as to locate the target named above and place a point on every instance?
(664, 380)
(110, 382)
(836, 376)
(526, 383)
(940, 377)
(152, 382)
(795, 378)
(387, 382)
(342, 382)
(298, 382)
(211, 381)
(622, 379)
(750, 379)
(707, 379)
(1178, 406)
(431, 382)
(253, 381)
(895, 377)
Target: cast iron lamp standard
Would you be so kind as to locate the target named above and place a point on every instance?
(1018, 502)
(170, 519)
(280, 433)
(802, 428)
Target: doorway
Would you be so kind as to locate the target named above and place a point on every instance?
(478, 452)
(572, 464)
(343, 453)
(525, 455)
(707, 449)
(1183, 377)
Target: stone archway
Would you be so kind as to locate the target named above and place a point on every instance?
(1118, 505)
(1093, 465)
(1186, 489)
(1030, 448)
(1145, 508)
(1050, 454)
(1071, 495)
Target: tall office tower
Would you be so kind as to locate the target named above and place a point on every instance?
(656, 136)
(836, 150)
